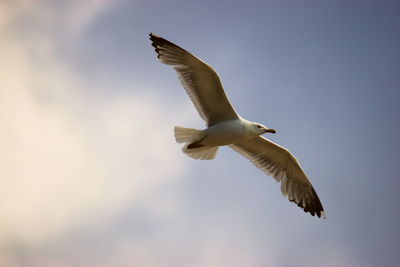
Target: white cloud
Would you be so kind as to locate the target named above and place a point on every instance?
(70, 156)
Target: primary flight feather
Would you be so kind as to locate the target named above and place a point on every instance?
(226, 127)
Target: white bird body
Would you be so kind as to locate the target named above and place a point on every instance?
(226, 128)
(228, 132)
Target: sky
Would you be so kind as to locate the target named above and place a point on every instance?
(90, 174)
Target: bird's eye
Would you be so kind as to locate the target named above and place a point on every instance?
(258, 126)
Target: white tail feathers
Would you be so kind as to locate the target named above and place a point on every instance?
(187, 135)
(203, 152)
(190, 136)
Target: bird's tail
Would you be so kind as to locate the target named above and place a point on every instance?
(187, 135)
(203, 152)
(192, 148)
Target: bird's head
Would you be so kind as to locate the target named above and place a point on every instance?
(262, 129)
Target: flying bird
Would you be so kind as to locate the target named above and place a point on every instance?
(226, 128)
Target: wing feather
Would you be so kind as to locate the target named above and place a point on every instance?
(199, 79)
(284, 167)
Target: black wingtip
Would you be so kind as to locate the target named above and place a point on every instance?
(158, 42)
(314, 208)
(155, 41)
(153, 35)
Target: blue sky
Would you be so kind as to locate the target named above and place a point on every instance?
(90, 174)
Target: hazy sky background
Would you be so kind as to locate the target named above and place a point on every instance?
(90, 174)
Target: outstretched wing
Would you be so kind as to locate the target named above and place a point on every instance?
(283, 166)
(199, 79)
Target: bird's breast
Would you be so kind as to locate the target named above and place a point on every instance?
(225, 133)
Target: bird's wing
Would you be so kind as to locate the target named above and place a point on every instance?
(199, 79)
(284, 167)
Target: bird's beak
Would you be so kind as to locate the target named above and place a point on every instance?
(270, 131)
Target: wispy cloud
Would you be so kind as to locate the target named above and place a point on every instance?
(69, 157)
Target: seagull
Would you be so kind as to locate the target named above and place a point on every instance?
(226, 128)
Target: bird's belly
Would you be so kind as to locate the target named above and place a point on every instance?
(220, 140)
(224, 134)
